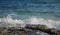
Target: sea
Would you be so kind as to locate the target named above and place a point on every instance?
(21, 12)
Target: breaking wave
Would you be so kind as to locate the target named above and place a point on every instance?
(10, 22)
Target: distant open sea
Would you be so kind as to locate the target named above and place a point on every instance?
(44, 12)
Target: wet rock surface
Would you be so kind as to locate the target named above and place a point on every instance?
(29, 30)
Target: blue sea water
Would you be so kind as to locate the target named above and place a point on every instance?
(46, 12)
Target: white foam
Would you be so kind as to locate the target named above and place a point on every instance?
(9, 22)
(49, 23)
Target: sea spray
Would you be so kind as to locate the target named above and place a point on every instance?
(10, 22)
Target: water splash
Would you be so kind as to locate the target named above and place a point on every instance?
(9, 22)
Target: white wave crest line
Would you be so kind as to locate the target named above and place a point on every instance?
(32, 20)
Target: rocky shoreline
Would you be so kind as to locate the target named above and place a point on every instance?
(29, 29)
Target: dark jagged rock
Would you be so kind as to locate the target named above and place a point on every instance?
(29, 29)
(36, 26)
(43, 28)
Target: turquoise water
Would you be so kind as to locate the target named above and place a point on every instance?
(30, 12)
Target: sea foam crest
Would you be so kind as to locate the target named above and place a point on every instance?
(49, 23)
(9, 22)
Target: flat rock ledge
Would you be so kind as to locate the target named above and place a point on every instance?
(29, 29)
